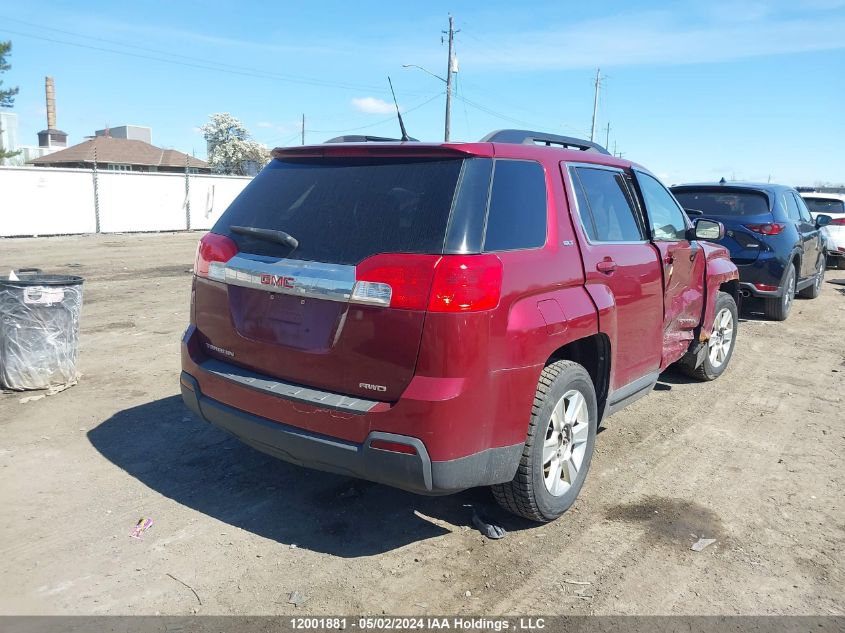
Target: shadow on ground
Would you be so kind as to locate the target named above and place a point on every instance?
(167, 448)
(672, 376)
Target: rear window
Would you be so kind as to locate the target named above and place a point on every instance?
(344, 210)
(723, 202)
(825, 205)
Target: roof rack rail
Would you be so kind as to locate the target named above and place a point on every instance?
(358, 138)
(527, 137)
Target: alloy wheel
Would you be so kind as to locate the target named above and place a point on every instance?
(721, 338)
(565, 442)
(789, 290)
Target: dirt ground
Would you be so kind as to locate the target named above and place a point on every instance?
(753, 460)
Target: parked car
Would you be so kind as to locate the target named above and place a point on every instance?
(832, 204)
(771, 236)
(442, 316)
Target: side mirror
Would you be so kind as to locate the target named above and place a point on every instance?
(823, 220)
(708, 229)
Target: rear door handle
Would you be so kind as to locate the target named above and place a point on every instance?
(606, 266)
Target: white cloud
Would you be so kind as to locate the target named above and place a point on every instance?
(371, 105)
(660, 38)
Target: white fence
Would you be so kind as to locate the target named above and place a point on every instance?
(46, 201)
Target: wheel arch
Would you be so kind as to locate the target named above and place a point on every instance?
(731, 287)
(795, 260)
(593, 353)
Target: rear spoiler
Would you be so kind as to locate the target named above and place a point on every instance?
(358, 138)
(412, 148)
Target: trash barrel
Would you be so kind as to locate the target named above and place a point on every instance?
(39, 329)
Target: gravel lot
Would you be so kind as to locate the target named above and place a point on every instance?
(753, 460)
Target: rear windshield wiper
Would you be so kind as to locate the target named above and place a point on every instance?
(269, 235)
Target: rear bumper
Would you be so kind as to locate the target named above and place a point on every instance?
(753, 291)
(416, 473)
(768, 269)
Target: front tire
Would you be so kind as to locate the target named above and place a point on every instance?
(811, 292)
(777, 308)
(559, 446)
(720, 345)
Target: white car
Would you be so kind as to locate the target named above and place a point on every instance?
(832, 204)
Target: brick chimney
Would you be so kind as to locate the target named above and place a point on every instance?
(52, 136)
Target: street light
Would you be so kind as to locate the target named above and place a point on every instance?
(448, 94)
(451, 67)
(425, 71)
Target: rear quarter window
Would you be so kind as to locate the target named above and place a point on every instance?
(516, 218)
(791, 207)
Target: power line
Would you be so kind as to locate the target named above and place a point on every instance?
(369, 125)
(199, 63)
(289, 139)
(459, 87)
(192, 62)
(493, 113)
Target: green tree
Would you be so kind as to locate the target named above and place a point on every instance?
(7, 96)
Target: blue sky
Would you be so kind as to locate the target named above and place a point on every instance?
(693, 90)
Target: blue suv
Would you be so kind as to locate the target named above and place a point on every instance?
(775, 243)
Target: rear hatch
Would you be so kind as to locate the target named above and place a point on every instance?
(289, 312)
(746, 214)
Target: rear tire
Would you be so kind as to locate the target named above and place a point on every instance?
(777, 308)
(720, 345)
(811, 292)
(559, 446)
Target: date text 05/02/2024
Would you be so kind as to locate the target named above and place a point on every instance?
(388, 623)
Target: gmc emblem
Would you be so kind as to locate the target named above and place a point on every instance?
(280, 281)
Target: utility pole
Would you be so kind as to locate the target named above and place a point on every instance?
(303, 128)
(616, 153)
(450, 68)
(607, 136)
(596, 104)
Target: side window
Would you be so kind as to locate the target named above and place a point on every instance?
(791, 206)
(605, 205)
(516, 217)
(803, 211)
(665, 217)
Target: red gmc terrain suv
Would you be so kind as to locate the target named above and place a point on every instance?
(442, 316)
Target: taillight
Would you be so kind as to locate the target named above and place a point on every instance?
(770, 228)
(837, 222)
(451, 283)
(213, 252)
(396, 281)
(466, 283)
